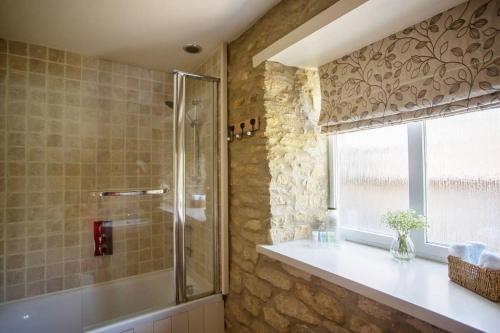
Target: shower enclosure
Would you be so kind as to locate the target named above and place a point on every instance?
(195, 176)
(110, 205)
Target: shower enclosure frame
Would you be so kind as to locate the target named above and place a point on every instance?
(179, 222)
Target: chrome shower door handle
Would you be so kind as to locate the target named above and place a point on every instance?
(132, 193)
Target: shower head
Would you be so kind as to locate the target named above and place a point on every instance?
(193, 122)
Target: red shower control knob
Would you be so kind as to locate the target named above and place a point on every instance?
(103, 241)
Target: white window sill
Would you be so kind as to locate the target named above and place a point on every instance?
(420, 288)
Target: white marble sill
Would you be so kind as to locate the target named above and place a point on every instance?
(420, 288)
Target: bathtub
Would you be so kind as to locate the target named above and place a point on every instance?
(143, 303)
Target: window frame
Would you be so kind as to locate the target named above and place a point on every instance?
(417, 196)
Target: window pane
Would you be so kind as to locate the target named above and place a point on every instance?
(463, 178)
(373, 176)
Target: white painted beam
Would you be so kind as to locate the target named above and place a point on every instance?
(347, 26)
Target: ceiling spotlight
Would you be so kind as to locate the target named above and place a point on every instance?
(192, 48)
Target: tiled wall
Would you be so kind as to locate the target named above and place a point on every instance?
(72, 125)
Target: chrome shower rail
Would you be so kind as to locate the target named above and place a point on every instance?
(196, 76)
(132, 193)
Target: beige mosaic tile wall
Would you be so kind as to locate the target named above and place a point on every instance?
(265, 171)
(72, 125)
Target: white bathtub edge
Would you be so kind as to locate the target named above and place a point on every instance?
(149, 317)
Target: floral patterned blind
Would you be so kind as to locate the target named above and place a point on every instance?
(444, 65)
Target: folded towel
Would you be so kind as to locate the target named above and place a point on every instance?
(463, 251)
(489, 260)
(475, 250)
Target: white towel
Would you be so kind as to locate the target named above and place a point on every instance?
(463, 251)
(475, 250)
(489, 260)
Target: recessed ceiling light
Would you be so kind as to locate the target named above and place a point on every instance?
(192, 48)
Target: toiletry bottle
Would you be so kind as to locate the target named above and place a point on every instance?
(333, 227)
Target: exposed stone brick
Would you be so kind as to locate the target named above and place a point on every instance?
(236, 245)
(358, 325)
(254, 225)
(323, 303)
(420, 326)
(251, 304)
(250, 253)
(273, 318)
(275, 277)
(239, 314)
(259, 326)
(329, 307)
(333, 327)
(240, 262)
(302, 328)
(296, 151)
(255, 238)
(235, 280)
(374, 309)
(340, 292)
(257, 287)
(292, 307)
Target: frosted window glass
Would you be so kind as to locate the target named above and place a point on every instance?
(463, 178)
(373, 176)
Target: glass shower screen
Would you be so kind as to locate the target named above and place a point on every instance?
(195, 177)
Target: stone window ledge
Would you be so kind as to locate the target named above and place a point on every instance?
(420, 288)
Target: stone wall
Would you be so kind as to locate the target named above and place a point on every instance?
(296, 151)
(275, 193)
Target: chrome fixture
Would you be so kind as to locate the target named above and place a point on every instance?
(195, 124)
(132, 193)
(179, 186)
(192, 48)
(195, 76)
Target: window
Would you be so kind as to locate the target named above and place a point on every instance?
(373, 174)
(447, 169)
(463, 178)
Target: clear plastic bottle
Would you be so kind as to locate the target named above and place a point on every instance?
(332, 225)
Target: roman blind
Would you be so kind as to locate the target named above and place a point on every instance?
(445, 65)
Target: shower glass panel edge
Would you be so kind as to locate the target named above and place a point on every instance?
(179, 188)
(184, 86)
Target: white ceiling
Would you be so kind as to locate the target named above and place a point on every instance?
(148, 33)
(347, 26)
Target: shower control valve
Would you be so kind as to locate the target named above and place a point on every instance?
(103, 238)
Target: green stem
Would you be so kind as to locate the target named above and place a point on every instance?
(403, 244)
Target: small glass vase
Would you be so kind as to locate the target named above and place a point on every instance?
(402, 248)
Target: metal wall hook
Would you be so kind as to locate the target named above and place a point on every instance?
(252, 131)
(230, 133)
(247, 129)
(242, 133)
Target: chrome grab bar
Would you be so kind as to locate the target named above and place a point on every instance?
(132, 193)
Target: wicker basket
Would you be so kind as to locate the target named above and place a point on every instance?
(482, 281)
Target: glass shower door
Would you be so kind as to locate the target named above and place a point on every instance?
(195, 219)
(126, 204)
